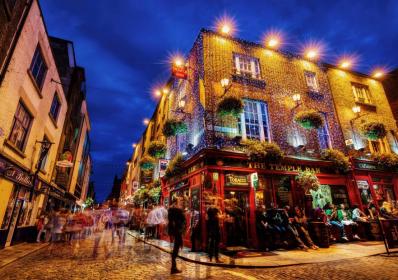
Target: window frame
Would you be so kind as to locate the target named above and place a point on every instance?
(261, 121)
(325, 128)
(26, 129)
(55, 98)
(364, 89)
(34, 76)
(253, 62)
(312, 86)
(382, 146)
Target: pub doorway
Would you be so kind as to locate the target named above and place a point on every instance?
(236, 207)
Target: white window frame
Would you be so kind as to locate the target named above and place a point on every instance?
(247, 66)
(361, 93)
(257, 103)
(382, 144)
(311, 80)
(326, 129)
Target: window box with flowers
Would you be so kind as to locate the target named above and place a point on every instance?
(175, 167)
(374, 130)
(172, 127)
(230, 106)
(388, 161)
(263, 151)
(340, 161)
(309, 119)
(147, 162)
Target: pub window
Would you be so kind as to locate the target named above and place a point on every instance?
(361, 93)
(323, 135)
(340, 195)
(246, 66)
(379, 146)
(311, 80)
(55, 107)
(38, 67)
(20, 127)
(254, 123)
(283, 192)
(364, 191)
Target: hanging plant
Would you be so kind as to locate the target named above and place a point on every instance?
(172, 127)
(337, 157)
(230, 106)
(175, 167)
(309, 119)
(157, 149)
(147, 162)
(263, 151)
(155, 194)
(386, 161)
(308, 181)
(374, 130)
(140, 196)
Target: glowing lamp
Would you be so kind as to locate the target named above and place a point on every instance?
(165, 90)
(345, 64)
(296, 97)
(134, 145)
(158, 93)
(225, 29)
(378, 74)
(311, 53)
(145, 121)
(181, 104)
(356, 109)
(224, 82)
(273, 42)
(178, 61)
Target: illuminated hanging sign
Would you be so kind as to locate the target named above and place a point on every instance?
(236, 180)
(179, 71)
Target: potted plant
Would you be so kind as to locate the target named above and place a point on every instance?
(172, 127)
(154, 194)
(175, 167)
(338, 158)
(309, 119)
(308, 181)
(374, 130)
(147, 162)
(266, 151)
(157, 149)
(386, 160)
(230, 106)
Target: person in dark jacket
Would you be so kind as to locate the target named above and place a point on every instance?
(176, 228)
(213, 231)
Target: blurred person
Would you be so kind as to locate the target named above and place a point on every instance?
(301, 224)
(194, 228)
(176, 228)
(213, 230)
(100, 232)
(42, 227)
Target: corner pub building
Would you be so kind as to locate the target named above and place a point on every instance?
(273, 86)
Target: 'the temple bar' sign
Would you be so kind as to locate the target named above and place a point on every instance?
(283, 167)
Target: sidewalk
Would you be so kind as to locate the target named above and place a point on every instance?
(277, 258)
(13, 253)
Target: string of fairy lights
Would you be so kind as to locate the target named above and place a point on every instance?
(312, 51)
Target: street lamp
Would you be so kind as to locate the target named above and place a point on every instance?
(296, 98)
(226, 85)
(45, 147)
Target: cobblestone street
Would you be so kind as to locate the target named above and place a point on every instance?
(136, 260)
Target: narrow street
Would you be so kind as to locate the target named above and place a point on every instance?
(136, 260)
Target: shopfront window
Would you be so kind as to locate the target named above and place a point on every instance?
(383, 189)
(264, 195)
(340, 195)
(283, 191)
(27, 207)
(236, 204)
(10, 206)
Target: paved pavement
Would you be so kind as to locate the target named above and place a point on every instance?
(136, 260)
(13, 253)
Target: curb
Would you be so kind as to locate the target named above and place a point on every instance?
(24, 255)
(228, 265)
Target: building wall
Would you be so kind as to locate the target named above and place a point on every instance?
(390, 84)
(340, 82)
(18, 85)
(284, 77)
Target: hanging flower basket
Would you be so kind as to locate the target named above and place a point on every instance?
(157, 149)
(230, 106)
(386, 161)
(374, 130)
(175, 166)
(172, 127)
(308, 181)
(141, 196)
(263, 151)
(338, 158)
(155, 194)
(309, 119)
(147, 162)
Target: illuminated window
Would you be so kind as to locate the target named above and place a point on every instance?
(361, 93)
(20, 127)
(379, 146)
(254, 122)
(323, 135)
(312, 83)
(247, 66)
(38, 68)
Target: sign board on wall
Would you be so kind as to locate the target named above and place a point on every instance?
(236, 180)
(163, 163)
(179, 71)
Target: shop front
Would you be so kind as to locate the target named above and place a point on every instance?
(240, 185)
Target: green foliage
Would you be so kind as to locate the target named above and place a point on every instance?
(155, 194)
(88, 202)
(308, 181)
(374, 130)
(175, 166)
(157, 149)
(260, 151)
(387, 161)
(309, 119)
(230, 106)
(172, 127)
(338, 158)
(147, 162)
(141, 196)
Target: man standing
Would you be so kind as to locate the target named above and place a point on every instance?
(194, 228)
(176, 228)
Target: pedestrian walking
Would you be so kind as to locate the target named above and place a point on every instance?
(42, 227)
(213, 230)
(176, 228)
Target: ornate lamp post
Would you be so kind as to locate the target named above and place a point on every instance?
(45, 147)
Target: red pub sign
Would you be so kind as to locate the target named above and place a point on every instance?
(179, 71)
